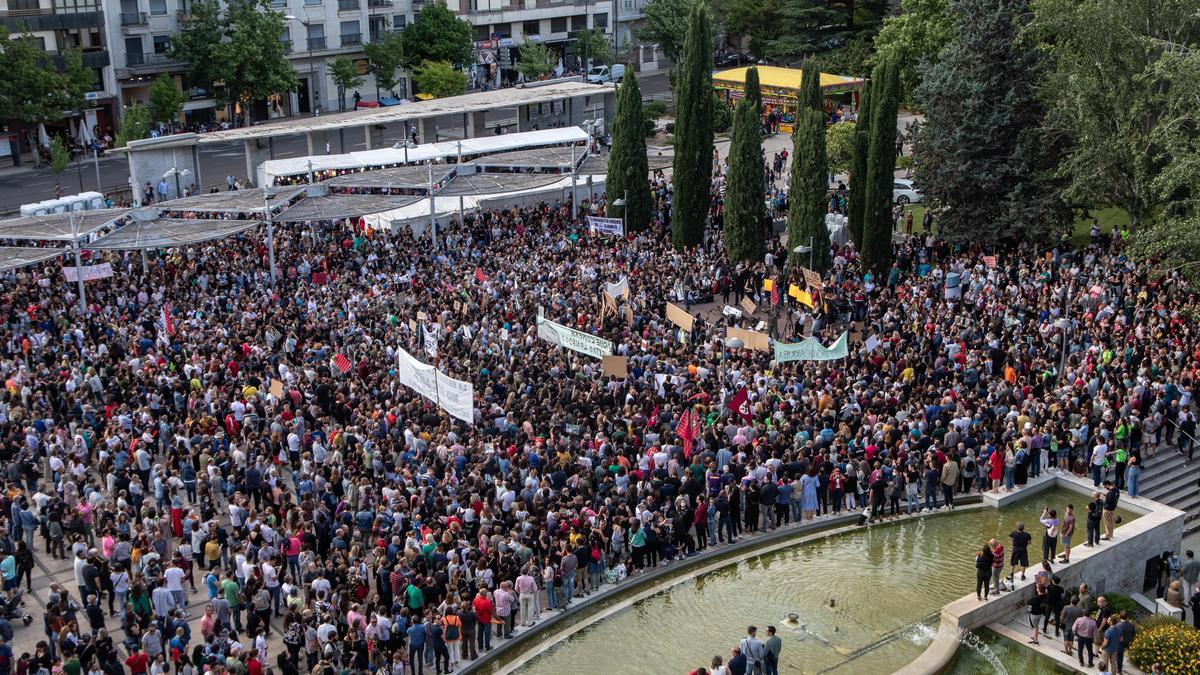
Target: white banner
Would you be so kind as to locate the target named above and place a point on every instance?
(456, 397)
(572, 339)
(431, 340)
(621, 288)
(90, 272)
(614, 226)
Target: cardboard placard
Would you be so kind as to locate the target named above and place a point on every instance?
(794, 291)
(748, 305)
(628, 314)
(615, 366)
(732, 311)
(989, 260)
(277, 388)
(812, 278)
(680, 317)
(751, 339)
(768, 285)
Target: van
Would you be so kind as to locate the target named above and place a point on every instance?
(600, 74)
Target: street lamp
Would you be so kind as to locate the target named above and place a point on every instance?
(312, 75)
(176, 173)
(402, 145)
(734, 344)
(1064, 326)
(806, 249)
(621, 203)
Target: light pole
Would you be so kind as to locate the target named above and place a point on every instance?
(621, 203)
(734, 344)
(270, 233)
(315, 94)
(1064, 327)
(173, 171)
(806, 249)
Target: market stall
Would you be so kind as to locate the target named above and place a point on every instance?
(781, 89)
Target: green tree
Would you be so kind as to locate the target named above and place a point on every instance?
(985, 162)
(753, 89)
(881, 169)
(438, 34)
(860, 149)
(722, 114)
(802, 28)
(535, 60)
(166, 100)
(744, 194)
(198, 44)
(693, 133)
(628, 168)
(32, 90)
(135, 124)
(439, 79)
(914, 38)
(60, 157)
(1108, 97)
(839, 146)
(757, 20)
(253, 61)
(385, 57)
(593, 45)
(666, 24)
(345, 75)
(809, 186)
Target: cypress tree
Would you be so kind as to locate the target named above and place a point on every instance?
(809, 186)
(858, 169)
(628, 169)
(753, 88)
(745, 191)
(881, 169)
(810, 87)
(693, 133)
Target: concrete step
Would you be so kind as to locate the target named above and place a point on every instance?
(1170, 486)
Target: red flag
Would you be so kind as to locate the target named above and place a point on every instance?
(340, 362)
(168, 325)
(775, 293)
(740, 405)
(688, 430)
(480, 276)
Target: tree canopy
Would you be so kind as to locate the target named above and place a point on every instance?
(345, 75)
(666, 23)
(437, 34)
(595, 46)
(913, 39)
(384, 58)
(439, 79)
(535, 60)
(744, 189)
(166, 99)
(628, 168)
(693, 133)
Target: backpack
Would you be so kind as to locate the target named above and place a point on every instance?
(452, 631)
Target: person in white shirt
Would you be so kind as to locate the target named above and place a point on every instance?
(173, 576)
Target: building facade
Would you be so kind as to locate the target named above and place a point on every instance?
(60, 25)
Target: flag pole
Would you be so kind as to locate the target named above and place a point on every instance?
(78, 264)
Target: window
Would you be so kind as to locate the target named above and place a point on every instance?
(313, 2)
(351, 33)
(17, 5)
(600, 22)
(162, 44)
(558, 24)
(532, 28)
(158, 7)
(399, 21)
(483, 33)
(579, 22)
(316, 36)
(133, 52)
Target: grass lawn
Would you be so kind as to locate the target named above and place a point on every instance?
(1108, 218)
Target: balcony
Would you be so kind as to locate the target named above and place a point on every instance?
(134, 19)
(349, 5)
(46, 19)
(183, 15)
(351, 39)
(316, 44)
(133, 59)
(142, 63)
(379, 4)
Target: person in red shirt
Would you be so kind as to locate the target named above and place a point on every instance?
(138, 662)
(483, 615)
(253, 665)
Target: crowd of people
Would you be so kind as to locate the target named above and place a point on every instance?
(192, 426)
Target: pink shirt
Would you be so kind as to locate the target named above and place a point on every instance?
(504, 602)
(526, 584)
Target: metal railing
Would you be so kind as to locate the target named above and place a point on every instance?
(315, 43)
(134, 19)
(379, 4)
(135, 59)
(349, 5)
(352, 39)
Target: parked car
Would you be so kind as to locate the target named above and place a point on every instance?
(600, 74)
(731, 59)
(903, 192)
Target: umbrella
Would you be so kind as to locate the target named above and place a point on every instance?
(43, 139)
(85, 134)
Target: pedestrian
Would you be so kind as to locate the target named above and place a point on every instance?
(1111, 497)
(753, 650)
(1084, 629)
(1020, 550)
(983, 572)
(1066, 531)
(1049, 520)
(1095, 512)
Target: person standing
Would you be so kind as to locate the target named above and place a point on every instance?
(949, 473)
(1049, 520)
(1114, 650)
(1095, 512)
(774, 647)
(1020, 550)
(753, 650)
(997, 564)
(527, 594)
(483, 617)
(1189, 571)
(1066, 529)
(983, 572)
(1070, 614)
(1084, 629)
(1110, 511)
(1097, 463)
(416, 645)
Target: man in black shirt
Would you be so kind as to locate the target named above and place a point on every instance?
(1095, 511)
(1110, 508)
(1020, 550)
(878, 490)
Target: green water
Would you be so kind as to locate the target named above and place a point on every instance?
(866, 599)
(1012, 657)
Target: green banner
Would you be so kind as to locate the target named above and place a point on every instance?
(811, 350)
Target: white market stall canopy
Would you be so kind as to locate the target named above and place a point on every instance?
(58, 226)
(169, 232)
(273, 169)
(12, 257)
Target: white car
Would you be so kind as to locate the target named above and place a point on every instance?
(600, 74)
(903, 192)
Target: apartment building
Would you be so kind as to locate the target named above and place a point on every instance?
(318, 31)
(59, 25)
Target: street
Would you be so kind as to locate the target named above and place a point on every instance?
(24, 185)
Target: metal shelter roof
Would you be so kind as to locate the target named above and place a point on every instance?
(553, 157)
(414, 177)
(12, 257)
(169, 232)
(338, 206)
(232, 201)
(475, 184)
(57, 226)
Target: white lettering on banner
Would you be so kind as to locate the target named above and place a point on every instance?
(811, 350)
(456, 397)
(614, 226)
(431, 340)
(572, 339)
(90, 272)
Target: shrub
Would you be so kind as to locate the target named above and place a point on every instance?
(1122, 603)
(722, 114)
(1172, 644)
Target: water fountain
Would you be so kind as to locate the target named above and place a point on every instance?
(971, 641)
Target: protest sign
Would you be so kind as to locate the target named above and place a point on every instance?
(812, 350)
(748, 305)
(613, 226)
(90, 272)
(572, 339)
(615, 366)
(680, 317)
(751, 339)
